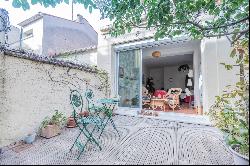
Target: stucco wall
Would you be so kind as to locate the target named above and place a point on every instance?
(14, 37)
(215, 76)
(62, 35)
(89, 57)
(31, 90)
(34, 42)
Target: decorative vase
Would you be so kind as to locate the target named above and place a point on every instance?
(30, 138)
(71, 122)
(238, 158)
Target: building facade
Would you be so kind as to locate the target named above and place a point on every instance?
(209, 76)
(48, 35)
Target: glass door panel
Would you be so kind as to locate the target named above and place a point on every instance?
(129, 78)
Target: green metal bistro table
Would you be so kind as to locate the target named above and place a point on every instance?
(108, 108)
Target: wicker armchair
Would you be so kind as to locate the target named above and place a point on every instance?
(173, 97)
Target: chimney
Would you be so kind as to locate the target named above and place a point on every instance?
(80, 19)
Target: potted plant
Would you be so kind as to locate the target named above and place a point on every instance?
(230, 113)
(71, 122)
(51, 127)
(135, 100)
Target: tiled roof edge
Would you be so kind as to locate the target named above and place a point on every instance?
(76, 51)
(20, 53)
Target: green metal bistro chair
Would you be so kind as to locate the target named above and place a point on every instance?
(82, 123)
(102, 109)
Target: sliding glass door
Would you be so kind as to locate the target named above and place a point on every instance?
(129, 78)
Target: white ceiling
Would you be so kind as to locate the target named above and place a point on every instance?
(175, 54)
(168, 60)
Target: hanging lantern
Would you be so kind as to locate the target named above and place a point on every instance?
(156, 54)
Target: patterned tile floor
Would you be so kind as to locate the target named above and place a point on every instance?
(142, 141)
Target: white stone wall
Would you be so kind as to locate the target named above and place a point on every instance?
(30, 91)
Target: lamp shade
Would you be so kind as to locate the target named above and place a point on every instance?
(156, 54)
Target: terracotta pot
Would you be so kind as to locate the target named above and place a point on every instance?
(71, 122)
(84, 113)
(50, 131)
(238, 158)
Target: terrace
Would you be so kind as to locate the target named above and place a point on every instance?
(143, 141)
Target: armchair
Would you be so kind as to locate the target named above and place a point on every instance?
(173, 97)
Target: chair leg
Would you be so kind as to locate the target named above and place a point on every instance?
(103, 127)
(113, 124)
(75, 141)
(92, 138)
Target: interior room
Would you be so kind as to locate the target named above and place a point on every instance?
(167, 81)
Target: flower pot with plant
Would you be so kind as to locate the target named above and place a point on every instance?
(52, 126)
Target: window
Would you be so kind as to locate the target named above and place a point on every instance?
(28, 34)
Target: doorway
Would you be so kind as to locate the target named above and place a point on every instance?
(130, 75)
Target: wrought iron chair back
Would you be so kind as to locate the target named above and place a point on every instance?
(90, 101)
(76, 101)
(82, 123)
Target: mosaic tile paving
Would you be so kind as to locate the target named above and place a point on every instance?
(143, 141)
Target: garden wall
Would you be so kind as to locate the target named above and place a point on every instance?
(32, 87)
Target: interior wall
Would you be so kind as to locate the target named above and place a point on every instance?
(158, 76)
(146, 73)
(162, 76)
(178, 77)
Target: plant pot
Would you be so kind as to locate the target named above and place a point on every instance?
(50, 131)
(238, 158)
(84, 113)
(30, 138)
(71, 122)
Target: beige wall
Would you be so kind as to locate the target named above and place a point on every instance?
(30, 91)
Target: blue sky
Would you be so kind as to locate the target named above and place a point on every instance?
(63, 10)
